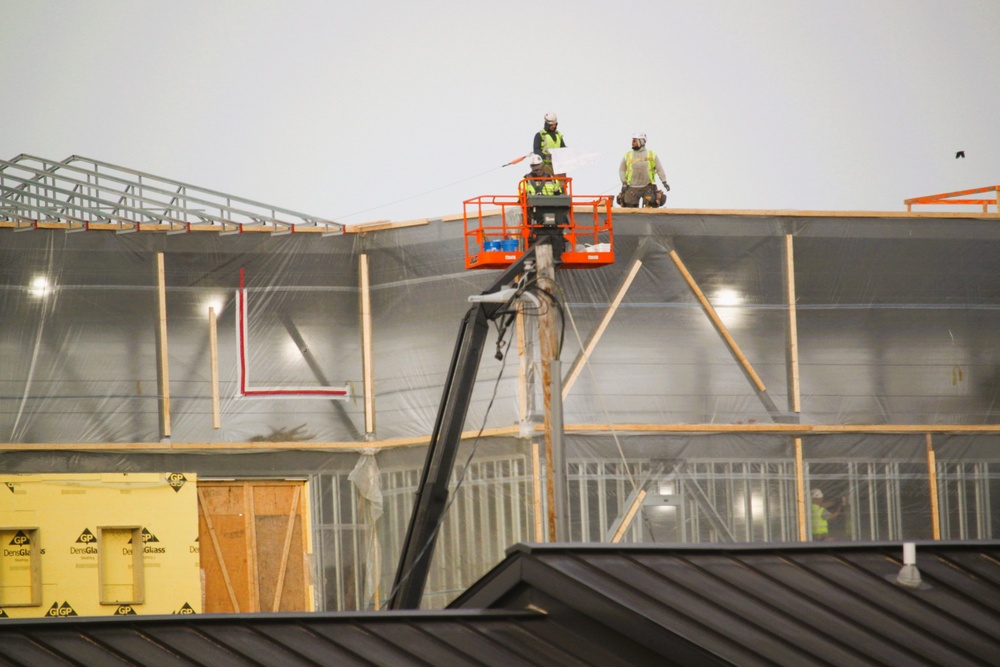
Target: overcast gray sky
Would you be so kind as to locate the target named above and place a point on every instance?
(340, 109)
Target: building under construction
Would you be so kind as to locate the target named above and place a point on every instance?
(289, 368)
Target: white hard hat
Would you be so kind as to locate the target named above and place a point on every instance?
(551, 118)
(641, 136)
(817, 494)
(535, 159)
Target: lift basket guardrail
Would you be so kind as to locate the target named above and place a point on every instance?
(500, 228)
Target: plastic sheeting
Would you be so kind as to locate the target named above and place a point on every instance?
(897, 322)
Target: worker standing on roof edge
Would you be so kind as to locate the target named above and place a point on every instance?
(637, 172)
(546, 139)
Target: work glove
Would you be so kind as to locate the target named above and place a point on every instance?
(666, 186)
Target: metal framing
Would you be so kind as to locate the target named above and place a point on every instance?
(720, 502)
(81, 191)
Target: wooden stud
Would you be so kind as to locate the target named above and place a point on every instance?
(581, 359)
(161, 348)
(629, 516)
(213, 344)
(308, 596)
(794, 391)
(250, 525)
(367, 353)
(376, 226)
(202, 506)
(932, 477)
(800, 491)
(717, 323)
(513, 431)
(376, 566)
(536, 480)
(285, 549)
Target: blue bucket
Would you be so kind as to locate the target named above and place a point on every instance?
(509, 245)
(489, 246)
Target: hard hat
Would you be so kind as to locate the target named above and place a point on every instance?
(817, 494)
(535, 159)
(551, 118)
(641, 136)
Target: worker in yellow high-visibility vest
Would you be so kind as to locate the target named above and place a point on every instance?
(538, 181)
(821, 516)
(555, 217)
(546, 139)
(638, 171)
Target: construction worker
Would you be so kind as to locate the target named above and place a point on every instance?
(637, 172)
(548, 218)
(546, 139)
(821, 516)
(538, 181)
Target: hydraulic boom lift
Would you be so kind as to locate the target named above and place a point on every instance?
(549, 220)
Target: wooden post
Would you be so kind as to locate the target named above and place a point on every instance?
(800, 490)
(250, 526)
(367, 356)
(932, 477)
(203, 506)
(286, 548)
(536, 479)
(794, 392)
(545, 266)
(717, 323)
(376, 565)
(629, 516)
(588, 349)
(213, 344)
(162, 369)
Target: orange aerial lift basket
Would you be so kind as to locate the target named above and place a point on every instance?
(500, 228)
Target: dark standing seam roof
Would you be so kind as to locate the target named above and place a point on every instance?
(284, 640)
(598, 605)
(775, 605)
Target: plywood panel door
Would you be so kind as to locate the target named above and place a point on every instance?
(253, 545)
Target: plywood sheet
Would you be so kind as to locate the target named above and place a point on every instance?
(254, 546)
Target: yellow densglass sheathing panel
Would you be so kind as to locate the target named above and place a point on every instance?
(69, 512)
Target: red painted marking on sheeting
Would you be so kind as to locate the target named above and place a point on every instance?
(243, 360)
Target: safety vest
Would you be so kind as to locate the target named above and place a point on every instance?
(650, 161)
(820, 526)
(541, 187)
(548, 143)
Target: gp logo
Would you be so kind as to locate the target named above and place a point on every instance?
(60, 611)
(176, 480)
